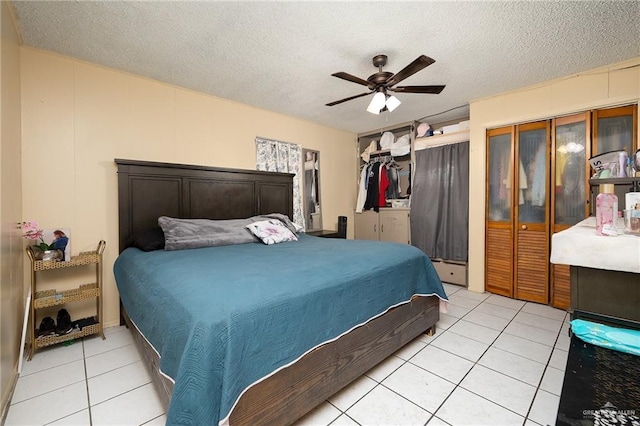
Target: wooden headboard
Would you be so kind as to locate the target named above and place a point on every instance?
(147, 190)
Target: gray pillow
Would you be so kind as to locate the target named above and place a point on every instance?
(183, 234)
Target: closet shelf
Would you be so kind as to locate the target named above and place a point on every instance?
(437, 140)
(616, 180)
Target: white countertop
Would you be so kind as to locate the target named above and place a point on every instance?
(580, 246)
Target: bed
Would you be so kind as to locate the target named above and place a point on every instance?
(259, 353)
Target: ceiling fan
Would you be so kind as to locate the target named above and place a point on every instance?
(384, 81)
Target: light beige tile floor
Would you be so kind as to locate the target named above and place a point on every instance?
(492, 361)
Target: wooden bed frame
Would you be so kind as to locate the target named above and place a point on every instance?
(147, 190)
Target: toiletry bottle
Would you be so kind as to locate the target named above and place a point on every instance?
(630, 171)
(634, 219)
(622, 164)
(606, 211)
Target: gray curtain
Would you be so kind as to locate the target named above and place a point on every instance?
(440, 202)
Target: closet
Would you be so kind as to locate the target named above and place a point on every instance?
(440, 203)
(571, 149)
(517, 238)
(614, 129)
(537, 184)
(385, 217)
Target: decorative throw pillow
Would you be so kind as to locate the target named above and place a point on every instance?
(149, 240)
(183, 234)
(271, 231)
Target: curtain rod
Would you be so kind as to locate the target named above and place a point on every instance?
(275, 140)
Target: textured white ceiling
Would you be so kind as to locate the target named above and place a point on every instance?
(280, 55)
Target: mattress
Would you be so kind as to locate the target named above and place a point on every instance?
(224, 318)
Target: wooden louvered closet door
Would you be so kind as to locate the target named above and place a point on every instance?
(570, 143)
(499, 212)
(517, 212)
(537, 185)
(531, 225)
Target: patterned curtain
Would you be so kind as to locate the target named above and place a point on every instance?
(275, 156)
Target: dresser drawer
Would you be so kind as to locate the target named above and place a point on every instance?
(453, 273)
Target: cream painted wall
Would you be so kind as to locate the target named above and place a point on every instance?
(78, 117)
(11, 243)
(603, 87)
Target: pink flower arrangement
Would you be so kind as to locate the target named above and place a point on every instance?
(30, 231)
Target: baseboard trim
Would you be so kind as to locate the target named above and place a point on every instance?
(6, 398)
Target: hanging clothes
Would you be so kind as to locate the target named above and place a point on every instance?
(373, 196)
(362, 188)
(522, 182)
(383, 185)
(379, 182)
(538, 187)
(393, 191)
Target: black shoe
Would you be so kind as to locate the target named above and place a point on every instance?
(64, 322)
(47, 327)
(84, 322)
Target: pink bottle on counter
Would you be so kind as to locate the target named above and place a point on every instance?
(606, 211)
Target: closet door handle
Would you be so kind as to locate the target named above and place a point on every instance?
(382, 228)
(375, 228)
(524, 227)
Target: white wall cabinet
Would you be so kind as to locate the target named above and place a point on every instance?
(390, 224)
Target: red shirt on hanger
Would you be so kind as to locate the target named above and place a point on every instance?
(384, 184)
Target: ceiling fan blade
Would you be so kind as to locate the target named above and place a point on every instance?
(418, 89)
(353, 79)
(420, 63)
(348, 99)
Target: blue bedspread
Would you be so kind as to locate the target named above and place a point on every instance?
(221, 318)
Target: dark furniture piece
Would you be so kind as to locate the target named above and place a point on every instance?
(604, 272)
(608, 294)
(325, 233)
(340, 233)
(147, 190)
(598, 383)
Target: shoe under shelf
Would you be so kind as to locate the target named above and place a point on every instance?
(43, 341)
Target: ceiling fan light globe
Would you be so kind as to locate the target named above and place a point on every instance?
(392, 103)
(377, 103)
(373, 109)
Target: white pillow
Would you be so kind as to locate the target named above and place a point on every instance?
(271, 231)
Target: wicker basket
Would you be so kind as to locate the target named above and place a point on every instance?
(47, 298)
(43, 341)
(84, 258)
